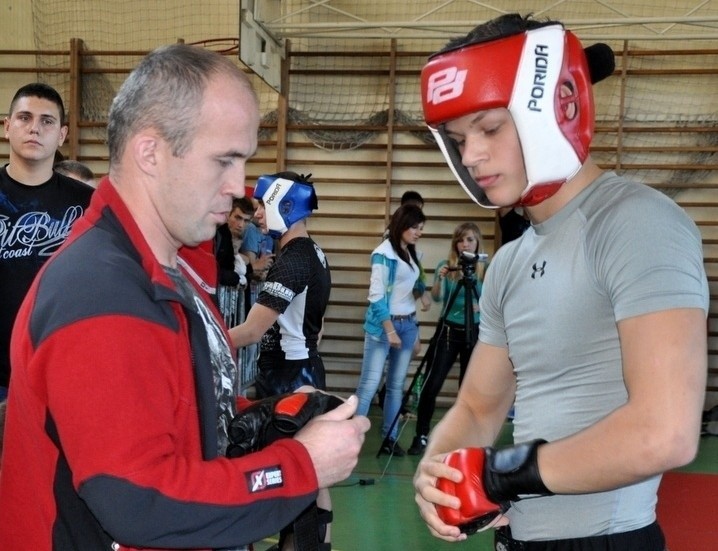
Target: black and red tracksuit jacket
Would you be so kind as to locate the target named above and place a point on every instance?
(111, 434)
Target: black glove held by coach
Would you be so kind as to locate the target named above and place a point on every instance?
(511, 472)
(273, 418)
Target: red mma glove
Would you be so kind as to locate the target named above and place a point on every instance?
(476, 510)
(492, 480)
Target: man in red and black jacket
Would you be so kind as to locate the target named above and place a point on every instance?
(123, 376)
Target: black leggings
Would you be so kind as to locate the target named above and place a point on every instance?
(450, 343)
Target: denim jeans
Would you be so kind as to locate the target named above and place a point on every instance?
(376, 353)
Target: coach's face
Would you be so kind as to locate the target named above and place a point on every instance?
(198, 188)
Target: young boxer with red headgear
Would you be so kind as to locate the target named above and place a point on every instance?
(592, 322)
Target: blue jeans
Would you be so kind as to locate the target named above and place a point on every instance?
(376, 352)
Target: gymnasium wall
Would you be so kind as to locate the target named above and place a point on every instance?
(351, 117)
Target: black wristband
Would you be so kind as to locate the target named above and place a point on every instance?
(512, 472)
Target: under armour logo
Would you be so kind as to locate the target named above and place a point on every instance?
(445, 85)
(538, 270)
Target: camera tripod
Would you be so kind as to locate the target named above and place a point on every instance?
(467, 285)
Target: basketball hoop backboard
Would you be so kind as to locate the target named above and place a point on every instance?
(258, 49)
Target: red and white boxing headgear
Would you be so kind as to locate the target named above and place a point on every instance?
(526, 73)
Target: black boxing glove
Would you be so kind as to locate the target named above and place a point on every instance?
(513, 471)
(492, 479)
(270, 419)
(248, 428)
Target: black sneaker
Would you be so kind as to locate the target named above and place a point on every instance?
(392, 447)
(418, 445)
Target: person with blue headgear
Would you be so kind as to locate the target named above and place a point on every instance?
(288, 315)
(289, 311)
(593, 320)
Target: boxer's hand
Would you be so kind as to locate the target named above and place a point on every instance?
(429, 497)
(492, 480)
(477, 511)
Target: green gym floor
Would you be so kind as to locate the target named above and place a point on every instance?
(382, 516)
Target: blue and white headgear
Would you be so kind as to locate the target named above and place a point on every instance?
(288, 198)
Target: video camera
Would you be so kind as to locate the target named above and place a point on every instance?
(467, 262)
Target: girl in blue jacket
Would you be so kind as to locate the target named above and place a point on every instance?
(390, 324)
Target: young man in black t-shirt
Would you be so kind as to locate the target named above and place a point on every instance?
(37, 205)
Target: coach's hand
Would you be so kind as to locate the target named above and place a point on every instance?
(334, 441)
